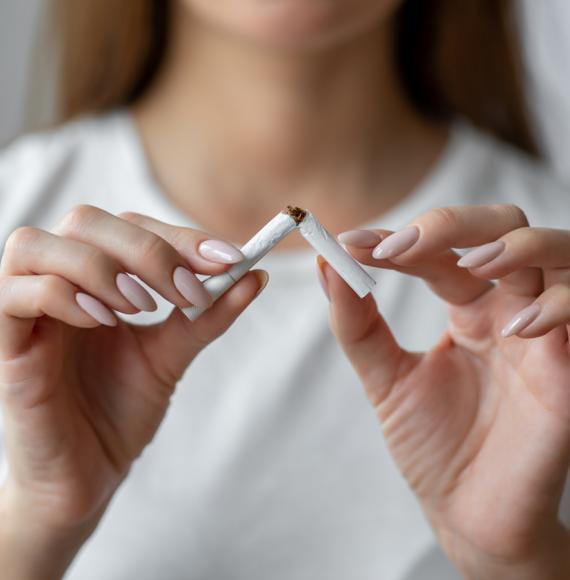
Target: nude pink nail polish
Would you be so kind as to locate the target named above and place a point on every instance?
(521, 320)
(220, 252)
(397, 243)
(190, 287)
(96, 309)
(482, 255)
(135, 293)
(359, 238)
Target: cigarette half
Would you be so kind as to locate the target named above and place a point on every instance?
(340, 260)
(269, 236)
(265, 240)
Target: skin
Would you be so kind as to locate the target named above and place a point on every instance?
(82, 400)
(327, 129)
(479, 425)
(313, 116)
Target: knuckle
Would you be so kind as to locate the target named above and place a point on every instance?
(21, 238)
(154, 249)
(130, 216)
(51, 287)
(95, 260)
(441, 217)
(560, 293)
(183, 238)
(78, 218)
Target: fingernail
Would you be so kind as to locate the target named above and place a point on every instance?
(262, 278)
(396, 244)
(321, 275)
(190, 287)
(135, 293)
(521, 320)
(96, 309)
(359, 238)
(481, 255)
(221, 252)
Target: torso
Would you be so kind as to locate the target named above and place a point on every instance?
(270, 462)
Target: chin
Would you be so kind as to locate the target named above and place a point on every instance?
(294, 24)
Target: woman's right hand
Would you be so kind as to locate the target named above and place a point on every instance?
(82, 392)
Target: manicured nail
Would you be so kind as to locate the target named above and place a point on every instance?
(262, 278)
(96, 309)
(135, 293)
(221, 252)
(482, 255)
(396, 244)
(521, 320)
(321, 275)
(359, 238)
(190, 287)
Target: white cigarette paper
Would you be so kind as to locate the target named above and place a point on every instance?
(340, 260)
(265, 239)
(269, 236)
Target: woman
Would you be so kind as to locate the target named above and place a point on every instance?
(269, 462)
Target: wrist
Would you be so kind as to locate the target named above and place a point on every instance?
(546, 559)
(30, 551)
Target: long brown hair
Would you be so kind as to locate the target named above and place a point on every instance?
(455, 59)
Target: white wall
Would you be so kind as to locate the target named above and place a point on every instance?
(546, 27)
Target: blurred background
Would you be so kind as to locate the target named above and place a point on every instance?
(26, 98)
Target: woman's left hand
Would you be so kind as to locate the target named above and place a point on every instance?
(479, 425)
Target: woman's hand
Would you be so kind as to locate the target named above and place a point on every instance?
(83, 392)
(480, 425)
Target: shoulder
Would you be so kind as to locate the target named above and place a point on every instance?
(48, 170)
(494, 172)
(42, 154)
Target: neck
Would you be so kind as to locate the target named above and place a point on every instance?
(231, 125)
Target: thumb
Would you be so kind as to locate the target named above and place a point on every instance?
(364, 336)
(172, 345)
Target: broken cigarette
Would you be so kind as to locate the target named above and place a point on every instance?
(269, 236)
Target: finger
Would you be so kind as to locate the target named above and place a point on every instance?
(558, 276)
(33, 251)
(451, 227)
(365, 337)
(205, 255)
(140, 252)
(520, 256)
(455, 285)
(23, 299)
(174, 343)
(549, 311)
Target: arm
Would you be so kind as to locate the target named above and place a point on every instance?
(82, 391)
(28, 552)
(545, 560)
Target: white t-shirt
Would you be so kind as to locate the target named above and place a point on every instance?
(270, 463)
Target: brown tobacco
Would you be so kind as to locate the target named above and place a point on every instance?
(296, 213)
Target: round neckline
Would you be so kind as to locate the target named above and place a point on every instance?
(421, 198)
